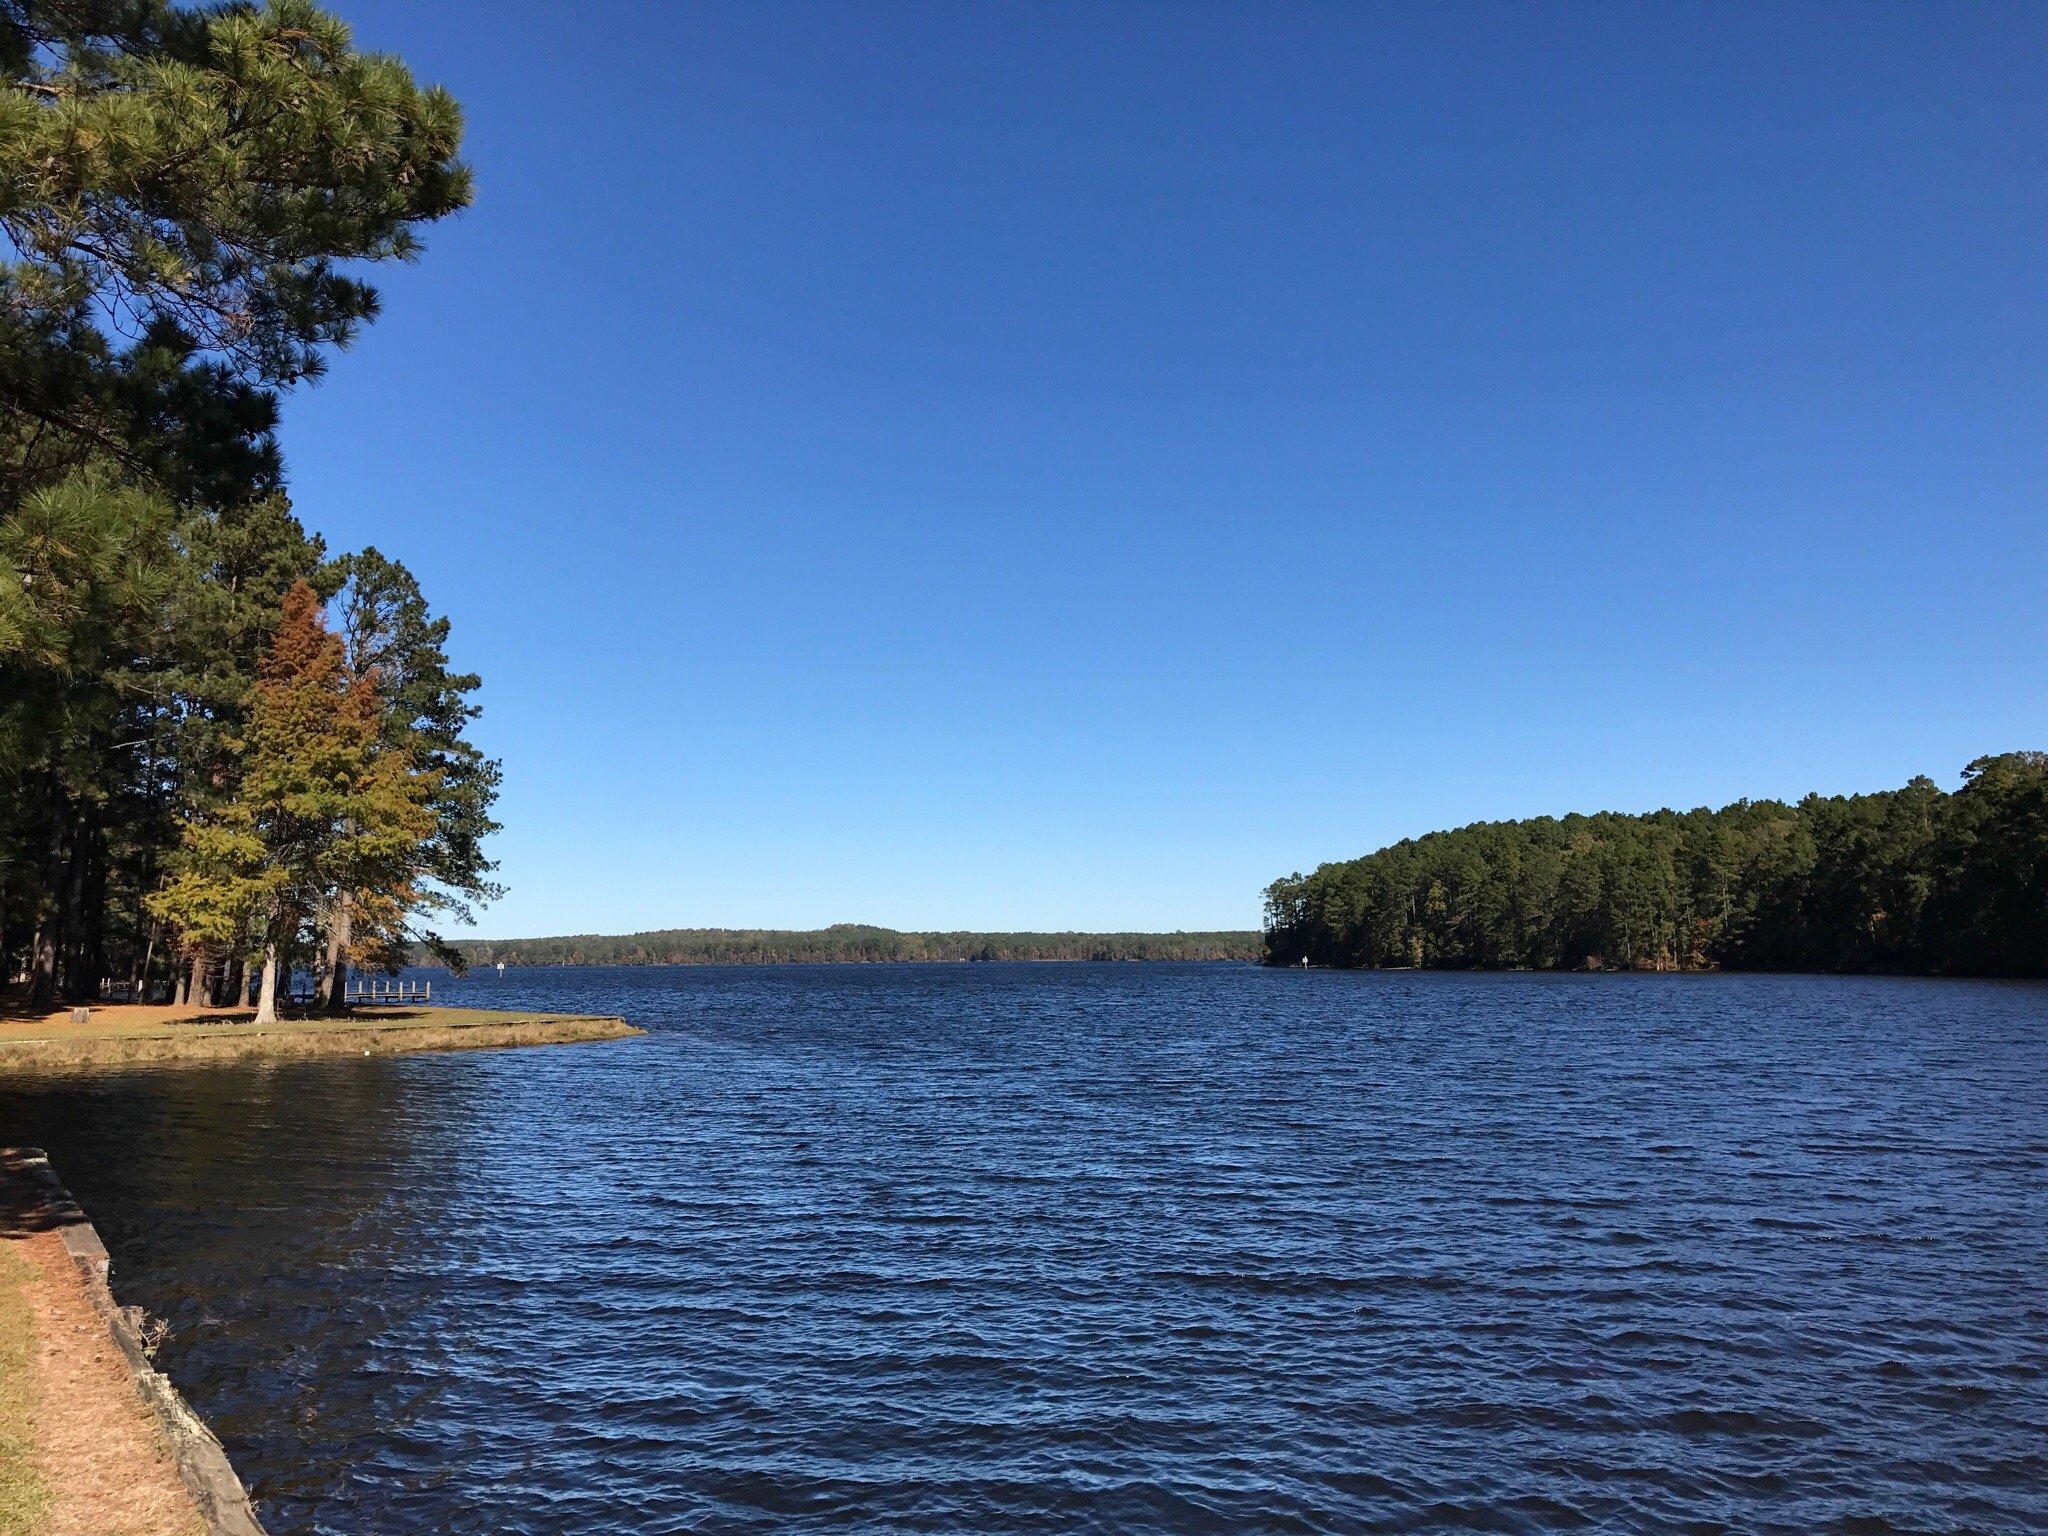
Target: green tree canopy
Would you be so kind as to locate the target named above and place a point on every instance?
(186, 196)
(324, 804)
(1905, 880)
(190, 201)
(212, 169)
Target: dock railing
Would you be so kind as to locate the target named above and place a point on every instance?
(369, 989)
(390, 989)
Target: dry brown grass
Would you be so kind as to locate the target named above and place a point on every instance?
(24, 1496)
(129, 1034)
(82, 1452)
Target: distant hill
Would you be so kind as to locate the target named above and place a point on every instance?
(851, 943)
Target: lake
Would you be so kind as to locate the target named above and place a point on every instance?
(1134, 1249)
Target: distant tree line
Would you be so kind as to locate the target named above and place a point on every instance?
(851, 942)
(222, 749)
(1905, 880)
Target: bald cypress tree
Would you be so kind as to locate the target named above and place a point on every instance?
(323, 803)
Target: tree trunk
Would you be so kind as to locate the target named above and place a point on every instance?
(42, 970)
(235, 987)
(334, 998)
(181, 990)
(142, 976)
(48, 943)
(266, 999)
(74, 952)
(92, 928)
(195, 983)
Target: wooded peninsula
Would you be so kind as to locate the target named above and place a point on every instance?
(226, 752)
(1905, 880)
(850, 942)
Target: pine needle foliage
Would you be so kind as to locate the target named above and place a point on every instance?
(192, 199)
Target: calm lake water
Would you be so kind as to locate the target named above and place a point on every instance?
(982, 1249)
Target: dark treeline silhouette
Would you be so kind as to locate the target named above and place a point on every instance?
(1911, 880)
(852, 942)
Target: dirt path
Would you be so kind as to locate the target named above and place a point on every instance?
(96, 1462)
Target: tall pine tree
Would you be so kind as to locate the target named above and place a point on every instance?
(187, 196)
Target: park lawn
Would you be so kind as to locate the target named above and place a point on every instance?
(128, 1034)
(139, 1020)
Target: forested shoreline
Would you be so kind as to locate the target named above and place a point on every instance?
(224, 750)
(849, 943)
(1907, 880)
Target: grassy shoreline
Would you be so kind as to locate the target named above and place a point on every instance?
(138, 1036)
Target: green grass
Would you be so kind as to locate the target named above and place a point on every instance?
(24, 1497)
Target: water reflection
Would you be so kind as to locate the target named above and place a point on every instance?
(1136, 1249)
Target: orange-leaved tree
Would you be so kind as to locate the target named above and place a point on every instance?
(324, 804)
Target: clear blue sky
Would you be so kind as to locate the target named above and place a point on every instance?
(1063, 466)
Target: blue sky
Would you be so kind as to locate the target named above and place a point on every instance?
(1001, 466)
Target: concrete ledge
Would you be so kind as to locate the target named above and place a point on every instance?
(202, 1464)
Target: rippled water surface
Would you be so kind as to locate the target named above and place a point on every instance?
(1130, 1249)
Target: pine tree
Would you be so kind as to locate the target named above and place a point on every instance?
(186, 195)
(390, 634)
(198, 176)
(83, 634)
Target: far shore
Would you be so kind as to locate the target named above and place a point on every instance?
(132, 1034)
(856, 944)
